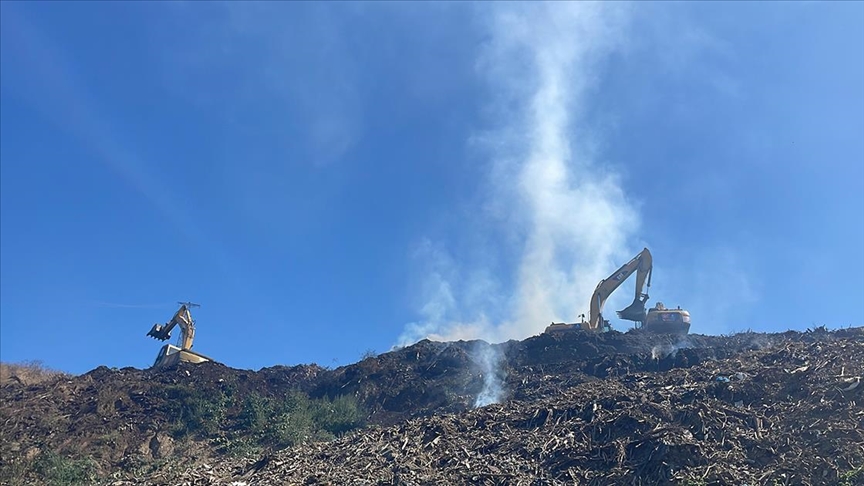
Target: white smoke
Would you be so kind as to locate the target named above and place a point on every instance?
(547, 195)
(489, 359)
(661, 351)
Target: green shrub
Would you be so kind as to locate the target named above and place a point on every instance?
(193, 411)
(339, 416)
(240, 447)
(254, 412)
(265, 421)
(293, 419)
(60, 471)
(851, 477)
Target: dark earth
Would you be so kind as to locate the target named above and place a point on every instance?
(577, 408)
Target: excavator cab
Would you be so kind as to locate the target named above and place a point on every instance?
(668, 321)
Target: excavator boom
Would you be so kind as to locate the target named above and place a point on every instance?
(182, 318)
(642, 264)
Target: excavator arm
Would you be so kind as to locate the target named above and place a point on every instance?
(642, 264)
(182, 318)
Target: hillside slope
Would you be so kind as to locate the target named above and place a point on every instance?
(597, 409)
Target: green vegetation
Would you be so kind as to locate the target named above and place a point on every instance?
(50, 468)
(56, 470)
(231, 419)
(849, 478)
(195, 412)
(243, 424)
(236, 447)
(295, 418)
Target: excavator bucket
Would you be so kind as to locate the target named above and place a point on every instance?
(634, 312)
(159, 333)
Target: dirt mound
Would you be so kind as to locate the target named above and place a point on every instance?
(786, 414)
(611, 407)
(440, 377)
(109, 415)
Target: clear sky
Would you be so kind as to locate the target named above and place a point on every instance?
(331, 178)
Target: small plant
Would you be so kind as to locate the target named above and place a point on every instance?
(56, 470)
(254, 412)
(195, 412)
(339, 416)
(238, 447)
(852, 477)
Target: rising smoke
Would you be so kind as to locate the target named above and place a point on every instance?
(546, 191)
(661, 351)
(489, 360)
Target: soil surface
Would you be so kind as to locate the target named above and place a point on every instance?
(575, 408)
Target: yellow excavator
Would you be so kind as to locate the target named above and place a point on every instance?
(657, 319)
(170, 354)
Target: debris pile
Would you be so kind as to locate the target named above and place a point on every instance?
(786, 414)
(618, 408)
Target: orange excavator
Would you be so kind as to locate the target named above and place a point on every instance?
(657, 319)
(170, 354)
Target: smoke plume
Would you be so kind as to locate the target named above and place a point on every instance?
(557, 216)
(661, 351)
(489, 360)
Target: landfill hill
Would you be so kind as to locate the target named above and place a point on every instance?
(575, 408)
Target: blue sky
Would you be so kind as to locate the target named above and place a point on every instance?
(331, 178)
